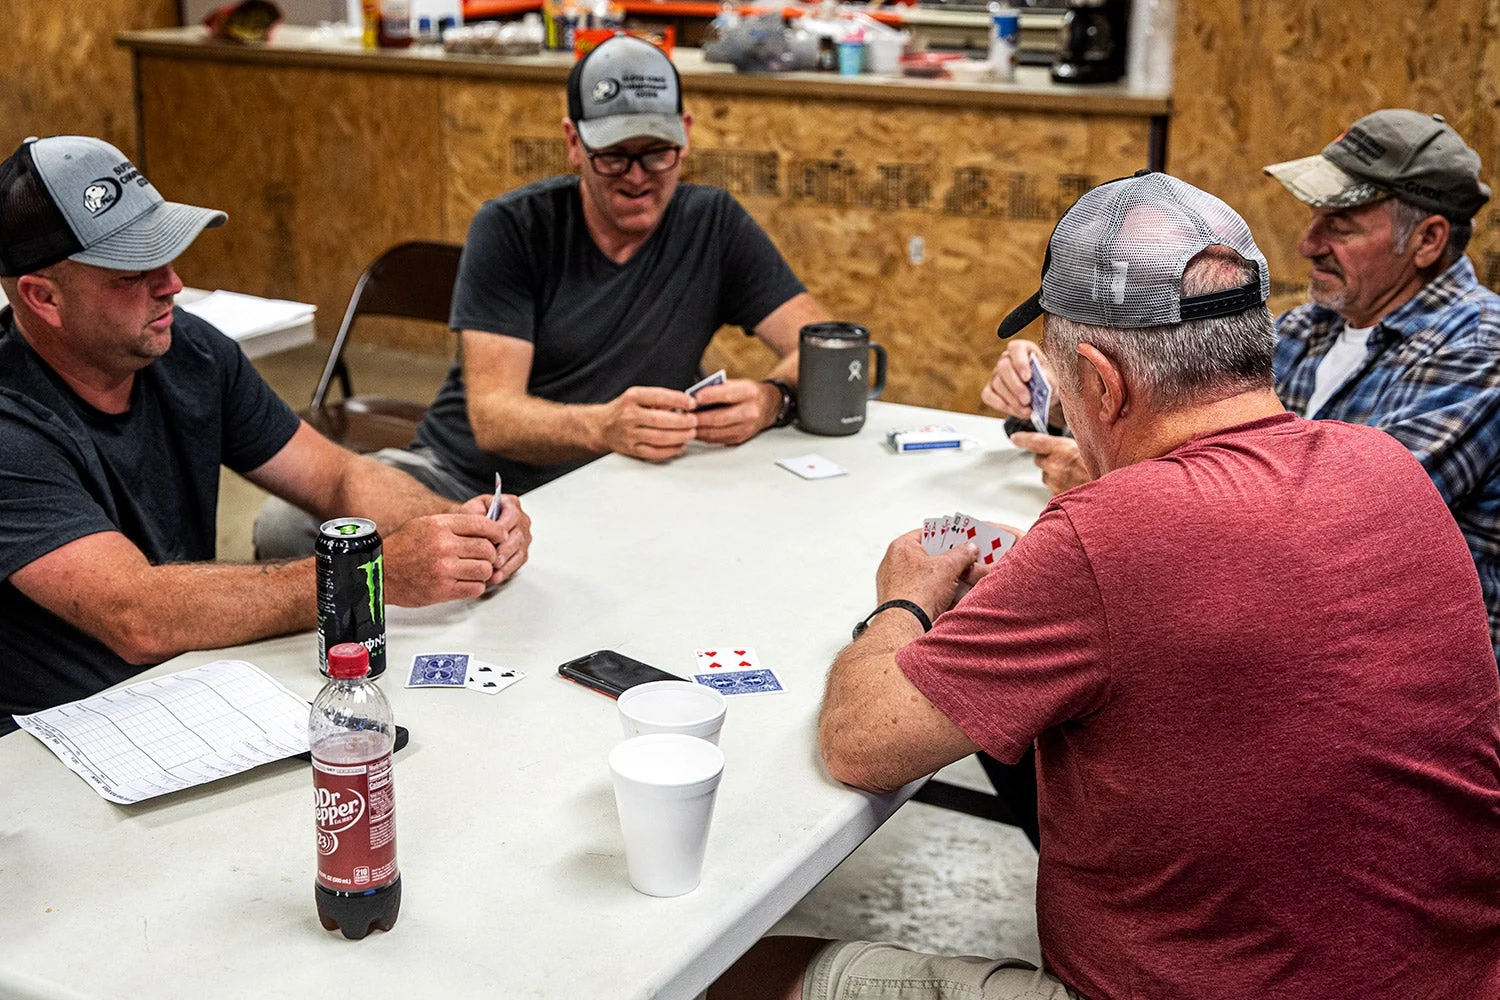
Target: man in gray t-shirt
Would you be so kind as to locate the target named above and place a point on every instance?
(584, 304)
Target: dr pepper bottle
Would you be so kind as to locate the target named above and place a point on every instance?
(352, 735)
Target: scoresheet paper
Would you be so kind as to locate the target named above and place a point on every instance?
(173, 732)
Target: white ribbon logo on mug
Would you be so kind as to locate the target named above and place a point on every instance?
(856, 371)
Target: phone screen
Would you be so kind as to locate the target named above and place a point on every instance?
(612, 673)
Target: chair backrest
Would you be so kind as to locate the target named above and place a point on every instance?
(411, 280)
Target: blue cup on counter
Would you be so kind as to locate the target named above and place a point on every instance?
(851, 57)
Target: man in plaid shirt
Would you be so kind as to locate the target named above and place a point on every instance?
(1400, 334)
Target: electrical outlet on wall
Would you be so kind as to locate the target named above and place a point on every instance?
(916, 250)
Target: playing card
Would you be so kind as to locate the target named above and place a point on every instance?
(490, 679)
(717, 378)
(932, 535)
(444, 670)
(727, 658)
(811, 467)
(733, 682)
(946, 534)
(993, 542)
(1041, 397)
(494, 511)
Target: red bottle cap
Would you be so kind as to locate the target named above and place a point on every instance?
(347, 661)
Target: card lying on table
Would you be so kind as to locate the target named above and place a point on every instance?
(733, 682)
(487, 678)
(811, 467)
(441, 670)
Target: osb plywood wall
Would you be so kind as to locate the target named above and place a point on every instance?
(1269, 80)
(316, 188)
(63, 74)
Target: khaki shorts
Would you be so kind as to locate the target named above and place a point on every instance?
(865, 970)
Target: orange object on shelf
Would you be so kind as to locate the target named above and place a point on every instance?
(585, 40)
(475, 9)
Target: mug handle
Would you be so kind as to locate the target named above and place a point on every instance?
(879, 386)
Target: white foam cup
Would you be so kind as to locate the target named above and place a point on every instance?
(672, 707)
(665, 784)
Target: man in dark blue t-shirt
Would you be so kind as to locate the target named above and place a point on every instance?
(584, 303)
(116, 413)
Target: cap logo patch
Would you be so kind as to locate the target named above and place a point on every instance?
(605, 90)
(1361, 145)
(101, 195)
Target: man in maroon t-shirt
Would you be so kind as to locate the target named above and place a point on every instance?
(1252, 655)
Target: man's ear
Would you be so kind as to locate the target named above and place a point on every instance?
(40, 296)
(1104, 384)
(576, 154)
(1430, 239)
(687, 128)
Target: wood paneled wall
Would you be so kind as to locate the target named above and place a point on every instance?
(321, 169)
(1270, 80)
(62, 72)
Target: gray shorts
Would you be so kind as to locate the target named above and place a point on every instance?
(866, 970)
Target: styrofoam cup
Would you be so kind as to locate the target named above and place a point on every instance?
(672, 707)
(665, 785)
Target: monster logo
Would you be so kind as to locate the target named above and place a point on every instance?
(375, 586)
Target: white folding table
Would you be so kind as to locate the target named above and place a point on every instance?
(513, 868)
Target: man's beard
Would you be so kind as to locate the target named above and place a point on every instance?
(1328, 299)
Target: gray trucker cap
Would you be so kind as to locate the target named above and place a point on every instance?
(1116, 257)
(1391, 153)
(626, 88)
(77, 198)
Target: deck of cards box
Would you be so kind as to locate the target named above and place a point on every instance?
(930, 437)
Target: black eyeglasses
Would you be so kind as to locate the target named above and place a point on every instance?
(653, 161)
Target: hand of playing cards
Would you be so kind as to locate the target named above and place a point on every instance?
(939, 534)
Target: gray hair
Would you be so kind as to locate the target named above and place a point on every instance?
(1179, 364)
(1406, 217)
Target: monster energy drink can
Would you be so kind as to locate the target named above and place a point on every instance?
(351, 589)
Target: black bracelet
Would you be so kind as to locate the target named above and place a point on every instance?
(911, 606)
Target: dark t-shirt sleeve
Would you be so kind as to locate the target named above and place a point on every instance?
(257, 422)
(495, 292)
(1026, 650)
(43, 502)
(757, 280)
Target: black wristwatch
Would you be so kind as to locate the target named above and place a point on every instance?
(788, 411)
(911, 606)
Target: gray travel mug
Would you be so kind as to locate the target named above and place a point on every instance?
(833, 377)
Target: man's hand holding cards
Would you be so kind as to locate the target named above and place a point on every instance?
(939, 534)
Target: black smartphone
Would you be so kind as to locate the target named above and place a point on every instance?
(611, 672)
(1013, 424)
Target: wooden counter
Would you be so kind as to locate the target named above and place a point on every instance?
(920, 208)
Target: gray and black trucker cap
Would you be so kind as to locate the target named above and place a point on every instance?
(1116, 257)
(626, 88)
(1395, 152)
(70, 197)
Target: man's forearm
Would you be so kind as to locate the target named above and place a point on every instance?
(858, 744)
(385, 495)
(186, 606)
(537, 431)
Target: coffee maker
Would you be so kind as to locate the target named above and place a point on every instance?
(1091, 42)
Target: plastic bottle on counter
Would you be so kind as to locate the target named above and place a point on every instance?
(352, 733)
(1005, 41)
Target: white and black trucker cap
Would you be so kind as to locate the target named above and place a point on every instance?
(70, 197)
(626, 88)
(1117, 255)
